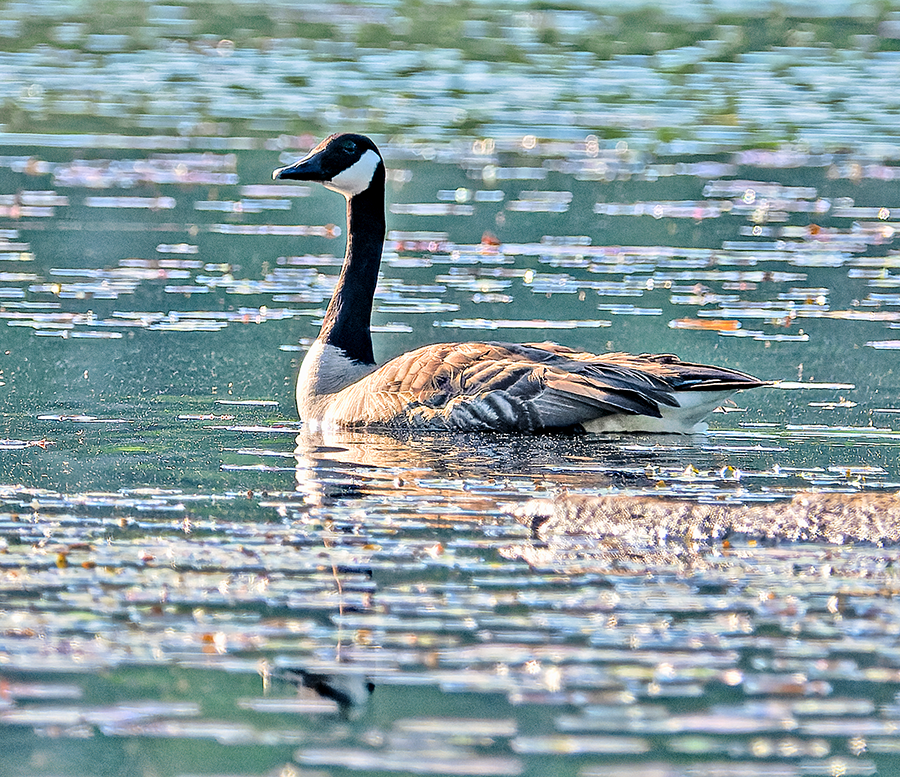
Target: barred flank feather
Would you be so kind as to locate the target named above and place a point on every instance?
(510, 387)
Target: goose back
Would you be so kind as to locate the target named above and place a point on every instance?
(477, 386)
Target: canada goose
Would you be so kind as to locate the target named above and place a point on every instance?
(474, 386)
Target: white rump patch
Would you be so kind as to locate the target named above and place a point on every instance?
(686, 419)
(356, 178)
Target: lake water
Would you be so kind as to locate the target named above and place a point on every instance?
(191, 585)
(175, 550)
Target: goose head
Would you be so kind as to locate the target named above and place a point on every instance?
(346, 163)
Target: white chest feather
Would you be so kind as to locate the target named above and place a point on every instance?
(326, 370)
(356, 178)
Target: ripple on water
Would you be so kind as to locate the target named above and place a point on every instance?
(208, 550)
(447, 597)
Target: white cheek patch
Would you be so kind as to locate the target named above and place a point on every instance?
(357, 177)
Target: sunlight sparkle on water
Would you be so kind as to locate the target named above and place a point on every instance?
(183, 567)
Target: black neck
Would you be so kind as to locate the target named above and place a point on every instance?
(347, 320)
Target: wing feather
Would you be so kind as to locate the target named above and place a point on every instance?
(521, 387)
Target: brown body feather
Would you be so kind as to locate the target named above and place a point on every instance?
(511, 387)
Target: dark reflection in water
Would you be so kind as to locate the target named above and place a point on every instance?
(404, 466)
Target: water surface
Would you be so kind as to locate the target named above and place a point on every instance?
(178, 554)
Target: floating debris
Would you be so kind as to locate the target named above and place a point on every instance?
(841, 403)
(644, 521)
(420, 761)
(716, 325)
(17, 445)
(242, 206)
(432, 209)
(278, 191)
(541, 201)
(148, 203)
(791, 385)
(629, 310)
(248, 402)
(491, 324)
(177, 248)
(208, 169)
(83, 419)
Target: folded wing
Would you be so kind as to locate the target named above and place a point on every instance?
(526, 388)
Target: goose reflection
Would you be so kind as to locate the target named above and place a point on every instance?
(385, 514)
(421, 489)
(470, 473)
(349, 691)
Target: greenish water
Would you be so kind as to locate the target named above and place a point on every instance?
(173, 542)
(175, 550)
